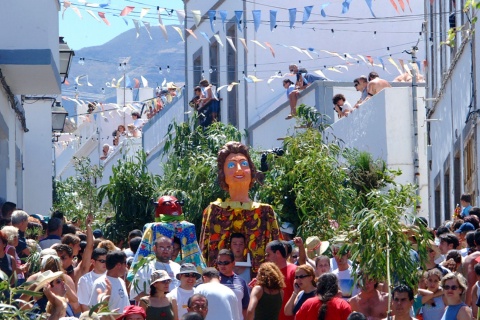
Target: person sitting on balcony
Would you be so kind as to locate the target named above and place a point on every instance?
(137, 120)
(360, 84)
(133, 131)
(375, 85)
(341, 105)
(107, 150)
(292, 95)
(209, 99)
(304, 78)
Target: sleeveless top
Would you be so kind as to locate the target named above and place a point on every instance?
(434, 312)
(452, 311)
(302, 299)
(158, 313)
(6, 265)
(268, 306)
(17, 260)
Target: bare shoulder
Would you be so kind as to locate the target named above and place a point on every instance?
(465, 313)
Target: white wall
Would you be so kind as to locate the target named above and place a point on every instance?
(38, 158)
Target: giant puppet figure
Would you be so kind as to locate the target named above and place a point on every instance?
(237, 214)
(169, 222)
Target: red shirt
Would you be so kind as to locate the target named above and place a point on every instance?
(337, 309)
(289, 275)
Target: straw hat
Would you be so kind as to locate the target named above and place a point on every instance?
(314, 247)
(45, 278)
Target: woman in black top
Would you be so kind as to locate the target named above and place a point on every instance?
(304, 287)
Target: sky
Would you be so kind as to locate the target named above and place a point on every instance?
(86, 31)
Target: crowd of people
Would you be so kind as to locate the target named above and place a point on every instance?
(206, 103)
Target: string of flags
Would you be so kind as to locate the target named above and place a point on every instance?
(239, 15)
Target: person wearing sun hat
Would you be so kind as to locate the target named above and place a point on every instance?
(133, 313)
(158, 305)
(288, 231)
(188, 276)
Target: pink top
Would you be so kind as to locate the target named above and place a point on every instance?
(17, 260)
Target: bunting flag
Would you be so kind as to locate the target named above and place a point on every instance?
(159, 11)
(102, 15)
(257, 14)
(363, 58)
(381, 61)
(394, 5)
(254, 79)
(341, 67)
(216, 36)
(205, 36)
(164, 31)
(119, 82)
(346, 6)
(307, 53)
(334, 54)
(147, 27)
(128, 83)
(247, 79)
(292, 13)
(220, 88)
(180, 32)
(77, 11)
(126, 11)
(271, 48)
(408, 3)
(231, 85)
(320, 73)
(92, 5)
(258, 43)
(212, 17)
(144, 82)
(66, 5)
(322, 11)
(180, 16)
(334, 69)
(144, 12)
(273, 19)
(390, 59)
(137, 27)
(238, 16)
(296, 48)
(306, 13)
(190, 31)
(242, 40)
(223, 16)
(230, 41)
(348, 56)
(369, 58)
(67, 83)
(90, 12)
(197, 17)
(401, 65)
(125, 20)
(402, 5)
(369, 4)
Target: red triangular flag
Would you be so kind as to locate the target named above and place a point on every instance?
(102, 15)
(126, 11)
(369, 58)
(394, 5)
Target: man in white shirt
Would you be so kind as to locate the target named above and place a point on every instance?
(222, 301)
(111, 286)
(344, 273)
(85, 283)
(187, 276)
(140, 286)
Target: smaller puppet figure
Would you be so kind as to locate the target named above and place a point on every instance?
(170, 223)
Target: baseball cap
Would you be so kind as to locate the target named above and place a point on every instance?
(465, 227)
(97, 233)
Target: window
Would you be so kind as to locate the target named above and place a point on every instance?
(457, 178)
(469, 168)
(446, 195)
(232, 76)
(214, 62)
(197, 67)
(438, 206)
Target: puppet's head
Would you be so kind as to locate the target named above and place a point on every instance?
(229, 148)
(168, 206)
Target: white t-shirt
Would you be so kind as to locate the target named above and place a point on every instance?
(119, 297)
(182, 296)
(346, 283)
(222, 301)
(141, 280)
(85, 285)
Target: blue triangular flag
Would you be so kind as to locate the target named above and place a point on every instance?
(306, 14)
(238, 15)
(205, 36)
(257, 14)
(293, 15)
(323, 9)
(381, 61)
(369, 4)
(346, 6)
(128, 83)
(211, 16)
(273, 19)
(223, 16)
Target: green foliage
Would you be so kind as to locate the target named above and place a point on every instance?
(307, 185)
(190, 172)
(470, 10)
(77, 196)
(130, 191)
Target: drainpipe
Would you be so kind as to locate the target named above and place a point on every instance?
(416, 172)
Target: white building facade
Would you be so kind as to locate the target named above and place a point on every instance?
(452, 83)
(30, 80)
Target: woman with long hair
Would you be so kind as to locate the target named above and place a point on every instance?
(267, 295)
(7, 262)
(157, 305)
(454, 286)
(304, 287)
(326, 305)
